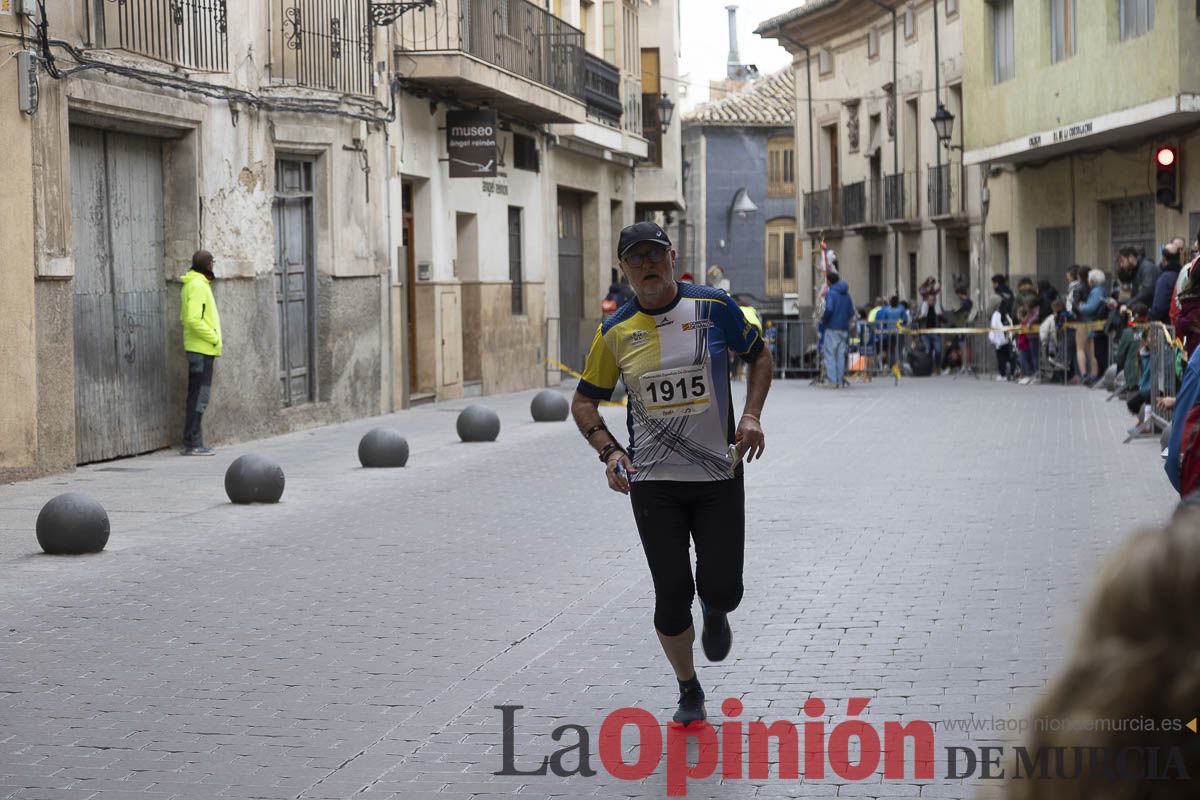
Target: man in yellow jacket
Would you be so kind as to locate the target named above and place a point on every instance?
(202, 344)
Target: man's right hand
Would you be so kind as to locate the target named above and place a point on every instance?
(616, 481)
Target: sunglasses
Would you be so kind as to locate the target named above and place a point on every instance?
(655, 256)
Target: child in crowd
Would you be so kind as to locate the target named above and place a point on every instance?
(1002, 340)
(1139, 400)
(1051, 348)
(1027, 342)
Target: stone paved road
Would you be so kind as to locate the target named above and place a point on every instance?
(925, 546)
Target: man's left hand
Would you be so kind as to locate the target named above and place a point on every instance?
(750, 439)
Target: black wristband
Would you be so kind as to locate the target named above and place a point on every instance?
(609, 449)
(593, 429)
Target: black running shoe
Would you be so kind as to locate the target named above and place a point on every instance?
(691, 705)
(717, 636)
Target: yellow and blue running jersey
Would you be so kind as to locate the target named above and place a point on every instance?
(675, 364)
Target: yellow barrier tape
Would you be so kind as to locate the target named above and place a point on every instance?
(564, 368)
(902, 328)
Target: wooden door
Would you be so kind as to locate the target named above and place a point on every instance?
(294, 280)
(570, 278)
(410, 270)
(120, 328)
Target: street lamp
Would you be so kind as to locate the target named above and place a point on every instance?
(665, 109)
(943, 124)
(741, 204)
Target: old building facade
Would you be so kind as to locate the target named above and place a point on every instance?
(874, 181)
(160, 128)
(1068, 104)
(739, 151)
(502, 278)
(305, 143)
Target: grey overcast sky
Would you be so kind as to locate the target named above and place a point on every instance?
(705, 33)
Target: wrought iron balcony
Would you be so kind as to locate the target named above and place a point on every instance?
(854, 203)
(602, 89)
(321, 44)
(516, 35)
(945, 191)
(822, 209)
(900, 197)
(187, 33)
(875, 202)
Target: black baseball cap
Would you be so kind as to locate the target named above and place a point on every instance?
(640, 232)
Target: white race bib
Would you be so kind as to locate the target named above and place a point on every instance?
(676, 392)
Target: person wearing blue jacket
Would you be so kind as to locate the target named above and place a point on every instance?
(1183, 466)
(1094, 308)
(835, 322)
(885, 324)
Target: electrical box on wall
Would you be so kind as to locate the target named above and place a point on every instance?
(27, 82)
(791, 304)
(27, 7)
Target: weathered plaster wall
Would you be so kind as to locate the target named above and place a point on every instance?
(18, 393)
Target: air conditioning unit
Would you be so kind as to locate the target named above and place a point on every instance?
(791, 304)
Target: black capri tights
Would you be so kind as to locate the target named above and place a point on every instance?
(710, 513)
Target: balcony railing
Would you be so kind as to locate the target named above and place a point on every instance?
(515, 35)
(633, 104)
(602, 89)
(187, 33)
(321, 44)
(900, 197)
(875, 201)
(945, 190)
(854, 203)
(822, 209)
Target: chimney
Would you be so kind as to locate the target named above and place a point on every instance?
(734, 61)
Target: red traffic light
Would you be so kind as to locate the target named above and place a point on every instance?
(1166, 169)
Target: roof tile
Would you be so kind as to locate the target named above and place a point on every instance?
(770, 101)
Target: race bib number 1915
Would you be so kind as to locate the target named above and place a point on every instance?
(676, 392)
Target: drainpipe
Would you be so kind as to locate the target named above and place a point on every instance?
(812, 169)
(895, 135)
(937, 96)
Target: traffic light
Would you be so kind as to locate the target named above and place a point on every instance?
(1166, 169)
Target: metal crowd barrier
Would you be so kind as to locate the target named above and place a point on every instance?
(874, 349)
(796, 353)
(1165, 369)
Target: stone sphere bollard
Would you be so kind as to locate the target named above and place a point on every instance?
(478, 424)
(1166, 436)
(71, 524)
(253, 478)
(383, 447)
(1110, 378)
(549, 406)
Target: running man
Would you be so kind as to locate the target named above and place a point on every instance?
(682, 469)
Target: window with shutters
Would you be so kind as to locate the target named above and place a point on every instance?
(780, 274)
(525, 153)
(1062, 30)
(1004, 66)
(825, 62)
(781, 166)
(1137, 17)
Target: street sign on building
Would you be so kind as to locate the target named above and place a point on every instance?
(471, 143)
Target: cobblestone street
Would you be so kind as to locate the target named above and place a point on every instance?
(925, 545)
